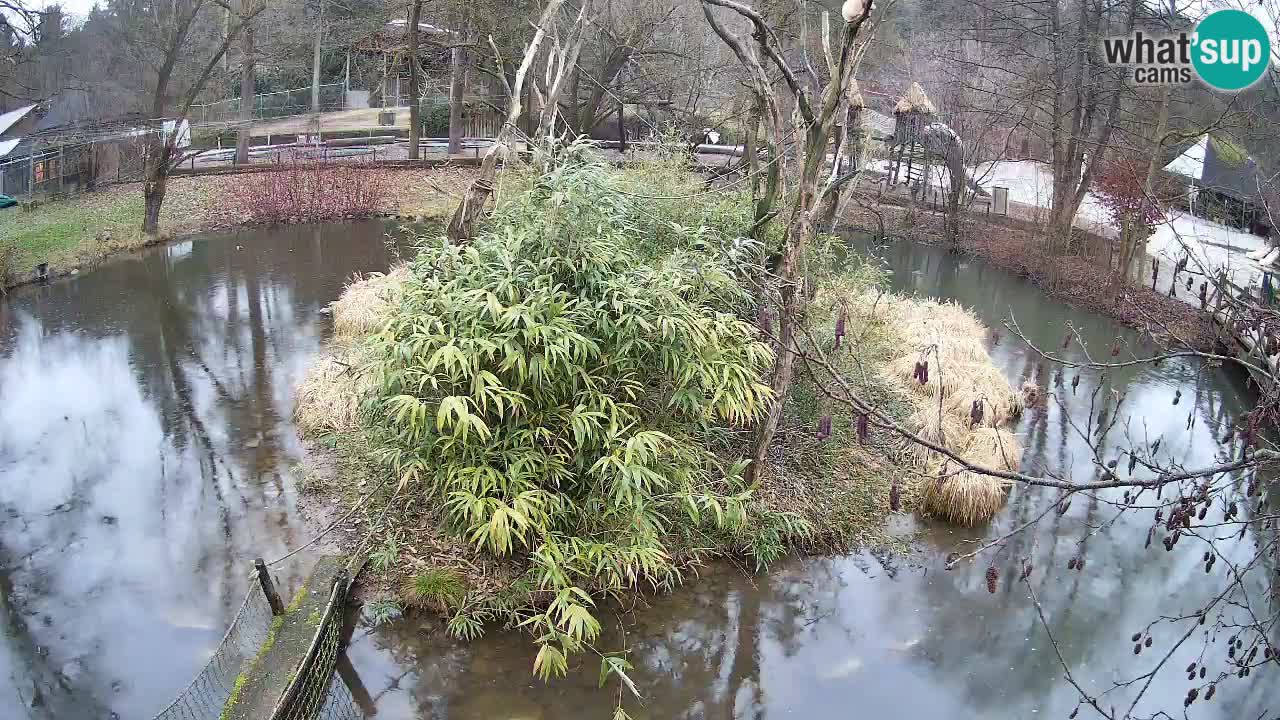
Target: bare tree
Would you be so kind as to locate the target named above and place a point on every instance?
(814, 124)
(471, 209)
(562, 62)
(248, 89)
(33, 52)
(179, 45)
(1044, 55)
(457, 95)
(415, 70)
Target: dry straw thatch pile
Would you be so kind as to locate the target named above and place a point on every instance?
(363, 306)
(915, 101)
(330, 393)
(961, 378)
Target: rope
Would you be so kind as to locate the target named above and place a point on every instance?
(331, 526)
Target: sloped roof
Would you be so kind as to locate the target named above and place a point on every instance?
(1217, 164)
(1190, 163)
(7, 146)
(915, 101)
(12, 117)
(1228, 170)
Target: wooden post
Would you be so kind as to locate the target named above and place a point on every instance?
(911, 157)
(268, 588)
(622, 130)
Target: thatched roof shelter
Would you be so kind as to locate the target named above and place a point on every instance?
(915, 101)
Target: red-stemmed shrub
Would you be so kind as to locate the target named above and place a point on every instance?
(1120, 190)
(302, 191)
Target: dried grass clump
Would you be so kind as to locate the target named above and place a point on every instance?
(994, 448)
(915, 101)
(330, 393)
(363, 306)
(965, 498)
(945, 430)
(981, 380)
(961, 374)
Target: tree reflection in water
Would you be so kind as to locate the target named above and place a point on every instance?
(861, 636)
(146, 455)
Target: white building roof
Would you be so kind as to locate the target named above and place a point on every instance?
(10, 118)
(1190, 163)
(422, 27)
(7, 146)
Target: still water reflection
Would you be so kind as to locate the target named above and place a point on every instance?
(872, 636)
(146, 454)
(146, 451)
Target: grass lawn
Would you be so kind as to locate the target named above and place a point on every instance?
(82, 230)
(77, 231)
(62, 231)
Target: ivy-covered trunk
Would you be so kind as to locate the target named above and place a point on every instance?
(792, 292)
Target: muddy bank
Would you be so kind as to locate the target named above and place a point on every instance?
(1017, 246)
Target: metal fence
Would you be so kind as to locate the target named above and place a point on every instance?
(51, 171)
(266, 106)
(208, 693)
(54, 168)
(314, 691)
(309, 692)
(338, 703)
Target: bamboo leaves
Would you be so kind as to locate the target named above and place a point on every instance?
(550, 662)
(618, 666)
(560, 395)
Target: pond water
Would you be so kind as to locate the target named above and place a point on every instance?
(875, 636)
(147, 455)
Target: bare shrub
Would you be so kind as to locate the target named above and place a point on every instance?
(302, 191)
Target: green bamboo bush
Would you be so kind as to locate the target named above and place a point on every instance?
(574, 401)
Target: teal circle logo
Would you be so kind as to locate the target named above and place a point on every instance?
(1232, 50)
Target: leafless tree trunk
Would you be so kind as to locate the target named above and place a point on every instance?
(173, 33)
(248, 90)
(462, 224)
(415, 122)
(1085, 110)
(562, 63)
(315, 64)
(816, 123)
(457, 95)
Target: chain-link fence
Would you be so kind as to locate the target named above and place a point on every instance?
(47, 171)
(266, 106)
(205, 697)
(315, 690)
(40, 169)
(309, 691)
(338, 702)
